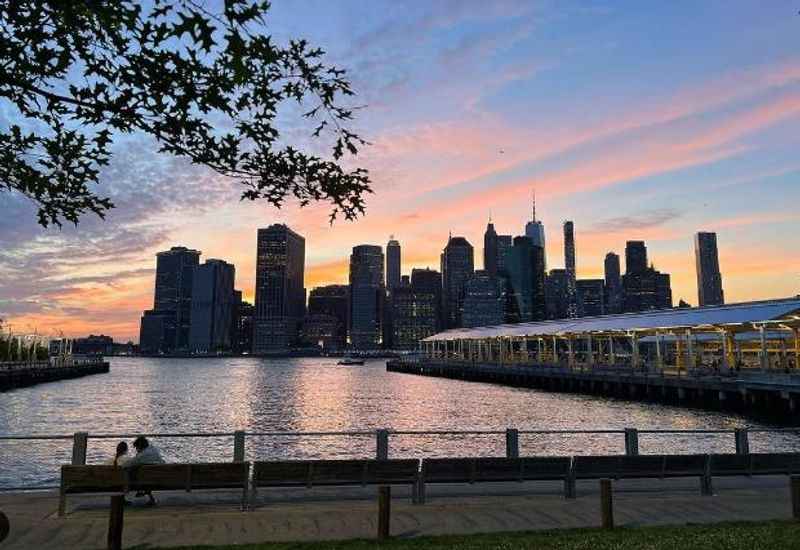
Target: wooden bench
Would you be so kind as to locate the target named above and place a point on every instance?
(637, 467)
(112, 480)
(317, 473)
(486, 470)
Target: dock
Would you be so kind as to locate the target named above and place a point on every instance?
(15, 375)
(747, 392)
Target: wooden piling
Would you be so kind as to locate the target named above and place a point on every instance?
(606, 504)
(795, 487)
(5, 526)
(384, 512)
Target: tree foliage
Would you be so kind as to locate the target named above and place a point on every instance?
(206, 85)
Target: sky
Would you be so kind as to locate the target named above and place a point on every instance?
(638, 121)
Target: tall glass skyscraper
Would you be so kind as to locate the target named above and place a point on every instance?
(392, 264)
(213, 298)
(709, 278)
(280, 291)
(166, 327)
(534, 230)
(366, 296)
(458, 265)
(569, 267)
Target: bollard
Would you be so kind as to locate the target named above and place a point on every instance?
(606, 504)
(5, 526)
(795, 487)
(384, 512)
(79, 443)
(382, 445)
(115, 518)
(512, 443)
(742, 441)
(631, 442)
(238, 446)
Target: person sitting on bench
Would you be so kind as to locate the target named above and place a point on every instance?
(145, 454)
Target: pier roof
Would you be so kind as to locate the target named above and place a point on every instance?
(740, 317)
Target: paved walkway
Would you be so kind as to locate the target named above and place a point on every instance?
(327, 514)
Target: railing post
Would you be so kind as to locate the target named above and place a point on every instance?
(631, 442)
(512, 443)
(382, 444)
(742, 441)
(606, 504)
(238, 446)
(115, 521)
(79, 443)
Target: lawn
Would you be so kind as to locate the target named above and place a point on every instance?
(730, 536)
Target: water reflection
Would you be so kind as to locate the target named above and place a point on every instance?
(224, 395)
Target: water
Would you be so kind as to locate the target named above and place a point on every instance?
(142, 395)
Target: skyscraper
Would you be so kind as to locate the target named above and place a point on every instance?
(613, 274)
(484, 300)
(635, 257)
(457, 267)
(212, 307)
(556, 292)
(366, 296)
(280, 291)
(392, 264)
(490, 250)
(709, 278)
(644, 288)
(534, 229)
(333, 300)
(591, 294)
(569, 267)
(526, 274)
(166, 327)
(429, 282)
(504, 244)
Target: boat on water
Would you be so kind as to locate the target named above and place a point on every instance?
(350, 361)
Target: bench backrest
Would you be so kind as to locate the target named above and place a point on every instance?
(291, 473)
(775, 463)
(93, 479)
(102, 478)
(472, 470)
(640, 466)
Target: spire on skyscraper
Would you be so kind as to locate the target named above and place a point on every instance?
(533, 205)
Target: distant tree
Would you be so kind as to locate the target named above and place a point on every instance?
(206, 86)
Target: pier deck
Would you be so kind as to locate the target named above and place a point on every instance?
(336, 514)
(749, 392)
(20, 375)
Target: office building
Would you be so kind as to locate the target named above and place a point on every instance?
(635, 257)
(709, 278)
(165, 328)
(213, 307)
(366, 297)
(614, 298)
(534, 230)
(457, 267)
(280, 290)
(526, 275)
(428, 282)
(591, 296)
(484, 300)
(556, 294)
(243, 323)
(414, 311)
(332, 300)
(322, 330)
(392, 264)
(495, 248)
(570, 268)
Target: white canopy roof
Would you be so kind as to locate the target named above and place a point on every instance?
(733, 315)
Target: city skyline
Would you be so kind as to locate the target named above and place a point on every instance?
(694, 139)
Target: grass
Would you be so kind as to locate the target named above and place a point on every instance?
(727, 536)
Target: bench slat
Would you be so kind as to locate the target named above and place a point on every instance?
(334, 472)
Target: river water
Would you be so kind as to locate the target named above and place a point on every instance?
(144, 395)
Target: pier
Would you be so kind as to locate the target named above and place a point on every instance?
(29, 373)
(742, 357)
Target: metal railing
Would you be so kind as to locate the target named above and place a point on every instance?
(740, 439)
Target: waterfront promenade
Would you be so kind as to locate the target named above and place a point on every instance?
(336, 514)
(29, 373)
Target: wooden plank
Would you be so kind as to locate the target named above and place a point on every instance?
(641, 466)
(159, 477)
(545, 468)
(92, 479)
(334, 472)
(773, 463)
(684, 465)
(730, 465)
(595, 467)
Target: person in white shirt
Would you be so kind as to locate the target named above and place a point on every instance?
(145, 454)
(121, 457)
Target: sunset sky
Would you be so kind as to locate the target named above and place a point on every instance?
(636, 120)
